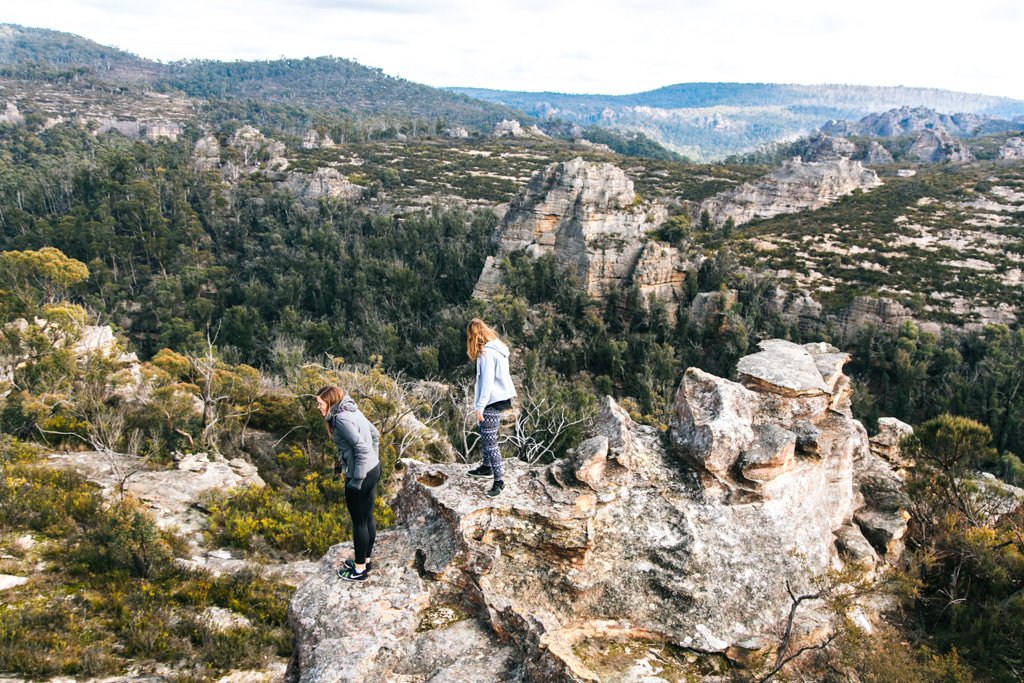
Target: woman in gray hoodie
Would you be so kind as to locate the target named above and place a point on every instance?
(493, 396)
(358, 444)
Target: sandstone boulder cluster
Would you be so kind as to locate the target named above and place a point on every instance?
(666, 550)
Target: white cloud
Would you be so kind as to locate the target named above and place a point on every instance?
(576, 46)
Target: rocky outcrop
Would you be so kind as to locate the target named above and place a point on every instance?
(255, 152)
(141, 130)
(323, 182)
(1012, 149)
(906, 121)
(513, 129)
(885, 315)
(795, 186)
(206, 154)
(758, 486)
(876, 154)
(316, 139)
(823, 147)
(587, 216)
(886, 443)
(660, 272)
(10, 114)
(174, 496)
(934, 146)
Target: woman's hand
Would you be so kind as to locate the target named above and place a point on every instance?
(479, 416)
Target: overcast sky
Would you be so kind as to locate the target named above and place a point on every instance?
(579, 45)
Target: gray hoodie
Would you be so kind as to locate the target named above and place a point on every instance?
(493, 380)
(357, 440)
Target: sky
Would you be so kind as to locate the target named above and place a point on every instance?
(578, 46)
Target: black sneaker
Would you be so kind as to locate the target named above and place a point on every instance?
(498, 487)
(350, 574)
(351, 564)
(482, 472)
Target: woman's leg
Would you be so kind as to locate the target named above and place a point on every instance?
(489, 441)
(360, 507)
(371, 522)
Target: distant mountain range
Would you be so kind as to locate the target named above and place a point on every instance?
(703, 121)
(711, 120)
(329, 83)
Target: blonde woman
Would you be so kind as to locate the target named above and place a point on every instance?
(358, 444)
(493, 396)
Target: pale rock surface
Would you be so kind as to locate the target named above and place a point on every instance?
(323, 182)
(222, 619)
(10, 581)
(823, 147)
(206, 154)
(174, 496)
(10, 114)
(936, 146)
(585, 214)
(884, 315)
(794, 186)
(1012, 149)
(906, 120)
(886, 443)
(876, 154)
(513, 129)
(257, 152)
(756, 488)
(314, 139)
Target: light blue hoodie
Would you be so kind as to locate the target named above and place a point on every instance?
(493, 380)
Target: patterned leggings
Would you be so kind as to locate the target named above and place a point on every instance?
(489, 441)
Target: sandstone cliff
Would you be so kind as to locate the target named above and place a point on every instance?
(795, 186)
(663, 551)
(587, 215)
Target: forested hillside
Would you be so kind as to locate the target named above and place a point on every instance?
(240, 270)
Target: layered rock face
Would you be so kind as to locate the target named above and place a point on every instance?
(662, 549)
(795, 186)
(937, 145)
(585, 214)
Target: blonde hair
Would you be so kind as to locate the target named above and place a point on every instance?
(331, 395)
(477, 335)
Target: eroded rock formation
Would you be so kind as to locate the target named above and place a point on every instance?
(1012, 149)
(323, 182)
(937, 145)
(587, 216)
(659, 548)
(795, 186)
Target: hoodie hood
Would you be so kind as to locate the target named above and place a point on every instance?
(345, 404)
(496, 345)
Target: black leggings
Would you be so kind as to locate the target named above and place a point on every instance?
(360, 506)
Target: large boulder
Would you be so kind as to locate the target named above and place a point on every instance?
(587, 216)
(664, 553)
